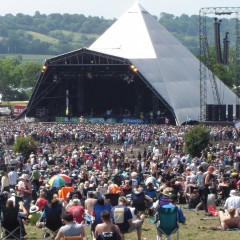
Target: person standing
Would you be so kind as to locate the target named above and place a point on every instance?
(208, 181)
(5, 186)
(25, 188)
(12, 176)
(35, 181)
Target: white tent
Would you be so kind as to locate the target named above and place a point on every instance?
(168, 66)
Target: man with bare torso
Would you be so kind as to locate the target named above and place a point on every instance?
(90, 202)
(229, 221)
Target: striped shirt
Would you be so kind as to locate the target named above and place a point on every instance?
(72, 229)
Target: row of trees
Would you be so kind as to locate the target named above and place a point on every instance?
(48, 34)
(17, 78)
(16, 75)
(58, 33)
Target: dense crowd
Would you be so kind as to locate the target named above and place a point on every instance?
(127, 171)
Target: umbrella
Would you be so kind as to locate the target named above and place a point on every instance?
(57, 181)
(66, 177)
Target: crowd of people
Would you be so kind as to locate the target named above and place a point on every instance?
(119, 173)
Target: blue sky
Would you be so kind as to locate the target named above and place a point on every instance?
(109, 8)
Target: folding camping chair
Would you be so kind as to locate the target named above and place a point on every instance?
(72, 238)
(10, 224)
(113, 198)
(168, 221)
(53, 222)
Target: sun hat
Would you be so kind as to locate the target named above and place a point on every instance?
(35, 167)
(75, 201)
(33, 209)
(24, 176)
(233, 193)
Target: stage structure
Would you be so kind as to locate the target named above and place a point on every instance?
(136, 71)
(217, 108)
(91, 84)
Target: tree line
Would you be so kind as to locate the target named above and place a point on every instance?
(18, 34)
(56, 33)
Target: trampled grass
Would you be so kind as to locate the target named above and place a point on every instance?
(194, 229)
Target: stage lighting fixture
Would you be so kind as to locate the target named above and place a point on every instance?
(44, 68)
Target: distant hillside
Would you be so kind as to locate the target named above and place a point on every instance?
(59, 33)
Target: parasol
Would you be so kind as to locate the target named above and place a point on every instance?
(59, 180)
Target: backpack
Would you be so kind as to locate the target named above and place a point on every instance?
(138, 201)
(109, 235)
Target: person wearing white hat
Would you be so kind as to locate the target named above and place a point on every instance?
(25, 188)
(34, 215)
(12, 176)
(233, 200)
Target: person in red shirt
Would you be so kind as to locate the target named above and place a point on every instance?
(96, 165)
(77, 211)
(41, 201)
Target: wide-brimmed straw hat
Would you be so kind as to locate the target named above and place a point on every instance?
(33, 209)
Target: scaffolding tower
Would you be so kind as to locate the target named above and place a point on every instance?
(205, 54)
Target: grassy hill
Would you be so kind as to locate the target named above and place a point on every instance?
(43, 37)
(56, 36)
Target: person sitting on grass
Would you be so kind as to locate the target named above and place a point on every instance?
(70, 228)
(181, 218)
(107, 228)
(122, 217)
(35, 215)
(230, 220)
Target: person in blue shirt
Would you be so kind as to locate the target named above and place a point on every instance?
(122, 217)
(171, 204)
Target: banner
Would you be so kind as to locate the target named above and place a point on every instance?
(18, 109)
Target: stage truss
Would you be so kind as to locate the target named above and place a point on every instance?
(205, 54)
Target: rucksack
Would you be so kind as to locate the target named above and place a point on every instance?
(109, 235)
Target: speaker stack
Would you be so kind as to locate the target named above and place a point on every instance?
(230, 113)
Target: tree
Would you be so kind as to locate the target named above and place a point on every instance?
(25, 145)
(29, 72)
(196, 140)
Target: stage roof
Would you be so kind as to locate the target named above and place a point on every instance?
(168, 66)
